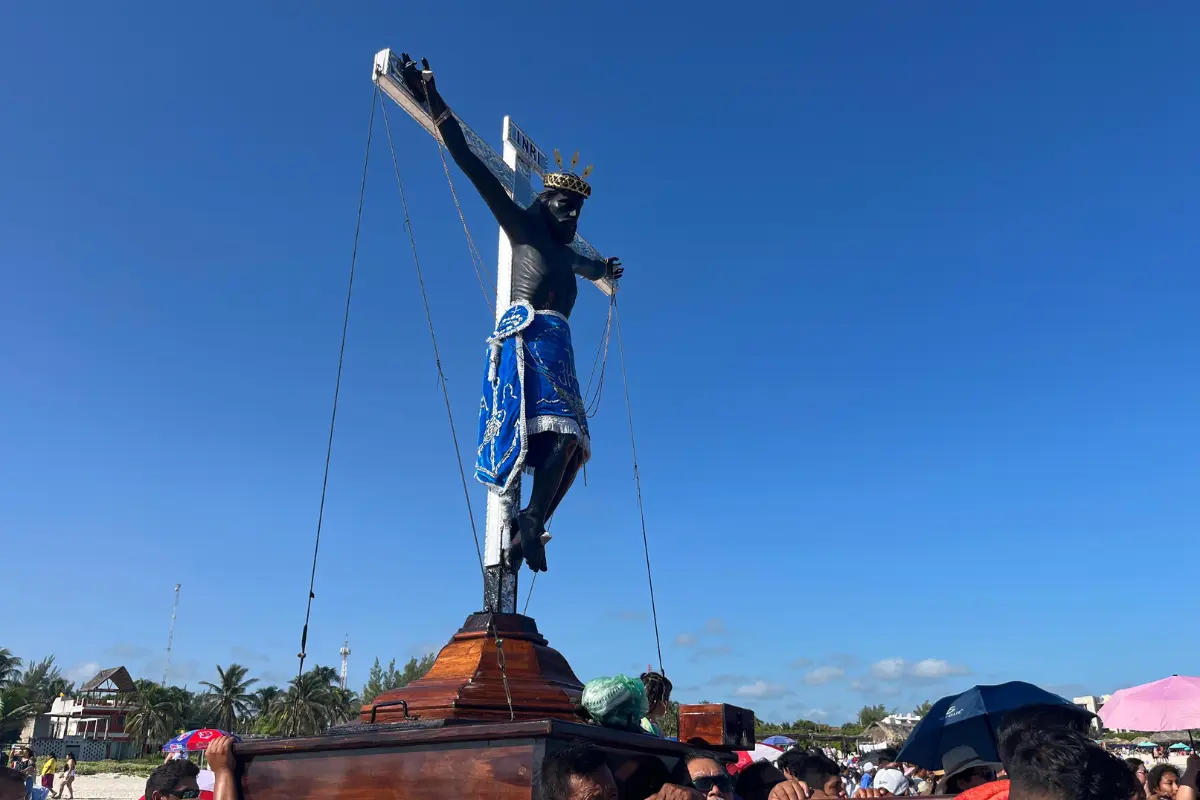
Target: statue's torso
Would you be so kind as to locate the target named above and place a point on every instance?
(543, 275)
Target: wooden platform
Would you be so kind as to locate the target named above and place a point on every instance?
(497, 667)
(443, 759)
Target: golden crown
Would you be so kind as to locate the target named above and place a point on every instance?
(568, 181)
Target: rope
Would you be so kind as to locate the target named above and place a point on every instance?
(433, 338)
(337, 385)
(593, 405)
(501, 661)
(476, 259)
(637, 480)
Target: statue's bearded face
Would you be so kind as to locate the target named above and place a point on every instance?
(561, 211)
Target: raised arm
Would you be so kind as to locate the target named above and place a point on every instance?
(510, 215)
(595, 268)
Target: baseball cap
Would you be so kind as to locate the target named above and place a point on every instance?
(891, 779)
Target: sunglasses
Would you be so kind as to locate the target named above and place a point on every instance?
(705, 783)
(186, 794)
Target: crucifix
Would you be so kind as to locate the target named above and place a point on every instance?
(532, 415)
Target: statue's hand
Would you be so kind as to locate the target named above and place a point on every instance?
(613, 269)
(419, 83)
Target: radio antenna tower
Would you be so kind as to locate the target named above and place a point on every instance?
(171, 635)
(345, 651)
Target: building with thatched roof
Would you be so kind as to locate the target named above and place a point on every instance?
(885, 734)
(90, 725)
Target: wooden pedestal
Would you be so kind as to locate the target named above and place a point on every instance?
(438, 760)
(497, 667)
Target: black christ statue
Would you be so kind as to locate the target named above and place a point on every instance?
(532, 414)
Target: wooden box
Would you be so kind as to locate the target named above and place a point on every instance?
(441, 759)
(717, 725)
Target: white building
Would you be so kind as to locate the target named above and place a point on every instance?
(901, 719)
(1092, 703)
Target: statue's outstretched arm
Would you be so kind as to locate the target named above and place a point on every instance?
(420, 83)
(596, 268)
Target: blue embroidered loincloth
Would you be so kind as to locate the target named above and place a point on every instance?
(530, 387)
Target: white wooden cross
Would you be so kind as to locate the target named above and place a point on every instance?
(514, 170)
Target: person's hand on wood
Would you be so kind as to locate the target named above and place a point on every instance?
(790, 790)
(866, 794)
(220, 755)
(670, 791)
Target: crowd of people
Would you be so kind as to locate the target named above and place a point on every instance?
(22, 764)
(1045, 753)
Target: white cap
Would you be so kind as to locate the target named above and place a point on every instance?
(893, 780)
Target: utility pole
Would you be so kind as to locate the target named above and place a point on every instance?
(171, 635)
(345, 651)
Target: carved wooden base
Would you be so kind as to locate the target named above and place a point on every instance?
(498, 760)
(468, 679)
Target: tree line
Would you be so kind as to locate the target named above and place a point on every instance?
(234, 701)
(865, 718)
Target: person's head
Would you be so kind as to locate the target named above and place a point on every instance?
(560, 210)
(755, 781)
(1163, 780)
(578, 772)
(885, 757)
(710, 778)
(12, 784)
(175, 779)
(816, 769)
(963, 769)
(1139, 769)
(1063, 764)
(70, 756)
(658, 693)
(28, 751)
(1039, 717)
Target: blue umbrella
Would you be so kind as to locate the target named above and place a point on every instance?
(971, 719)
(779, 741)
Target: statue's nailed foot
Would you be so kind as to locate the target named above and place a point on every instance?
(527, 543)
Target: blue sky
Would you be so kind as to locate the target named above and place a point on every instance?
(909, 316)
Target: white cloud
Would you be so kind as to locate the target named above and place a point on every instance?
(715, 626)
(889, 669)
(801, 663)
(823, 675)
(685, 640)
(927, 669)
(937, 668)
(816, 713)
(82, 672)
(761, 690)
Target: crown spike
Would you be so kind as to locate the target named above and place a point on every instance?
(558, 158)
(587, 171)
(574, 161)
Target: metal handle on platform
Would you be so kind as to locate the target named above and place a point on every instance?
(387, 703)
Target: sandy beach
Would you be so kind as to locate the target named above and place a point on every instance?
(108, 786)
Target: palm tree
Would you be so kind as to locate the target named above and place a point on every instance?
(10, 667)
(229, 699)
(262, 702)
(344, 705)
(43, 681)
(15, 709)
(303, 709)
(153, 716)
(328, 675)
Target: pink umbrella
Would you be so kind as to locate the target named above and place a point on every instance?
(1172, 704)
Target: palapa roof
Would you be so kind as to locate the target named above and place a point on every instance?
(888, 733)
(118, 675)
